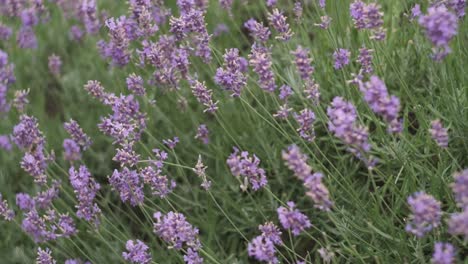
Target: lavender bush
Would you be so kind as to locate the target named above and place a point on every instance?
(233, 131)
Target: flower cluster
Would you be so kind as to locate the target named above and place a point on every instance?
(7, 78)
(5, 211)
(200, 170)
(426, 214)
(259, 32)
(262, 247)
(79, 141)
(135, 84)
(444, 253)
(247, 167)
(204, 96)
(203, 134)
(441, 26)
(343, 124)
(85, 188)
(376, 95)
(316, 190)
(368, 16)
(231, 77)
(293, 219)
(306, 119)
(44, 256)
(439, 133)
(127, 183)
(55, 64)
(260, 60)
(153, 176)
(137, 252)
(174, 229)
(341, 57)
(458, 222)
(278, 21)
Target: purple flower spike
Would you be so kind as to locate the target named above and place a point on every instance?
(460, 188)
(278, 21)
(262, 247)
(247, 167)
(231, 77)
(204, 96)
(376, 95)
(137, 252)
(260, 60)
(439, 133)
(426, 214)
(44, 256)
(441, 26)
(293, 219)
(444, 253)
(303, 61)
(55, 64)
(341, 57)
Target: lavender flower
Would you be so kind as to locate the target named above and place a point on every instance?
(365, 59)
(303, 61)
(137, 252)
(203, 134)
(21, 100)
(283, 112)
(260, 60)
(174, 229)
(247, 167)
(293, 219)
(426, 214)
(298, 10)
(341, 57)
(160, 185)
(86, 189)
(342, 123)
(439, 133)
(226, 4)
(26, 133)
(25, 202)
(231, 77)
(126, 156)
(257, 30)
(440, 26)
(324, 22)
(55, 64)
(34, 163)
(118, 47)
(458, 224)
(5, 210)
(26, 38)
(262, 247)
(204, 96)
(306, 119)
(77, 134)
(376, 95)
(220, 29)
(368, 16)
(44, 256)
(192, 257)
(171, 143)
(416, 11)
(318, 192)
(72, 151)
(200, 169)
(460, 188)
(285, 92)
(135, 84)
(89, 16)
(444, 253)
(127, 183)
(278, 21)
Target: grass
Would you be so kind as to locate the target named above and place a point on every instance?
(366, 224)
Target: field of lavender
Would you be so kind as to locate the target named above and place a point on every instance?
(233, 131)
